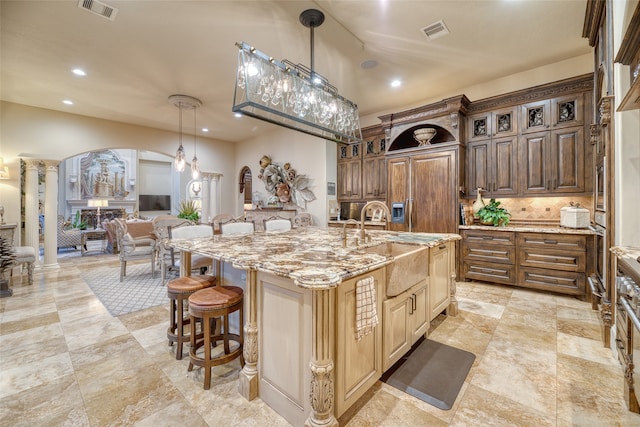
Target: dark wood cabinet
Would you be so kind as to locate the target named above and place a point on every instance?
(349, 180)
(492, 166)
(552, 162)
(374, 166)
(427, 184)
(547, 261)
(374, 178)
(362, 168)
(544, 152)
(349, 172)
(488, 256)
(493, 124)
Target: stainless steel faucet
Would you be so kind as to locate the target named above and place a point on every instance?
(343, 235)
(363, 213)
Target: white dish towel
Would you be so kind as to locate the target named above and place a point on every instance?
(366, 307)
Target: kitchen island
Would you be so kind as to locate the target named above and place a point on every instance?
(301, 354)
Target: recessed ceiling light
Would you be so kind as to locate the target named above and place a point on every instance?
(68, 102)
(78, 72)
(238, 115)
(205, 130)
(396, 83)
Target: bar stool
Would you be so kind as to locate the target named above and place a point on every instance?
(178, 291)
(208, 304)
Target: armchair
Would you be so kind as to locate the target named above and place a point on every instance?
(68, 238)
(131, 249)
(165, 257)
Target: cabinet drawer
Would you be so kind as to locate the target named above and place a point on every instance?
(488, 237)
(565, 282)
(558, 241)
(554, 259)
(489, 253)
(489, 272)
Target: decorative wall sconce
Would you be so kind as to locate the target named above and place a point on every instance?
(132, 182)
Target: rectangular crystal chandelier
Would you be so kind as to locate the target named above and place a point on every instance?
(293, 96)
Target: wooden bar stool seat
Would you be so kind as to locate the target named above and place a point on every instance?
(208, 304)
(178, 291)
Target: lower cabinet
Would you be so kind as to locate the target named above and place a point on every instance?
(358, 363)
(406, 319)
(547, 261)
(440, 266)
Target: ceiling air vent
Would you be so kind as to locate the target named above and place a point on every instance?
(435, 30)
(98, 8)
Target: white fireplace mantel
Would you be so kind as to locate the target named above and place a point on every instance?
(128, 205)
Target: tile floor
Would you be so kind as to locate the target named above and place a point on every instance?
(64, 360)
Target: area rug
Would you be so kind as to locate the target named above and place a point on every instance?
(136, 292)
(432, 372)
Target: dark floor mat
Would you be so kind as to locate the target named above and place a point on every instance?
(432, 372)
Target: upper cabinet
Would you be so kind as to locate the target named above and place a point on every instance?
(629, 54)
(550, 114)
(493, 124)
(349, 173)
(530, 142)
(374, 165)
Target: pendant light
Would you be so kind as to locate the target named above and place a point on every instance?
(189, 103)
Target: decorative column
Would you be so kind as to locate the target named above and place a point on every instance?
(322, 381)
(248, 384)
(31, 223)
(214, 207)
(206, 199)
(51, 214)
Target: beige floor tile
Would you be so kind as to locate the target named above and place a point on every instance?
(91, 330)
(483, 408)
(584, 348)
(526, 375)
(43, 371)
(55, 403)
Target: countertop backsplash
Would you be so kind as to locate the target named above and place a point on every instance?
(538, 210)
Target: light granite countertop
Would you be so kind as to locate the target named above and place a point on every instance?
(630, 256)
(312, 257)
(530, 229)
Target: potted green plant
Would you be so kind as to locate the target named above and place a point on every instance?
(78, 222)
(493, 214)
(188, 209)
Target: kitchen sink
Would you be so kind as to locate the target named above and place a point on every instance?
(410, 265)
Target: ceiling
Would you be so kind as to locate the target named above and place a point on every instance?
(153, 49)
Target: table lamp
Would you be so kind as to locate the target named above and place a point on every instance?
(98, 203)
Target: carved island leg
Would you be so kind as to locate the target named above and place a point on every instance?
(322, 384)
(607, 317)
(453, 301)
(248, 384)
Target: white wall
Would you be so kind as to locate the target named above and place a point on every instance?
(46, 134)
(306, 154)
